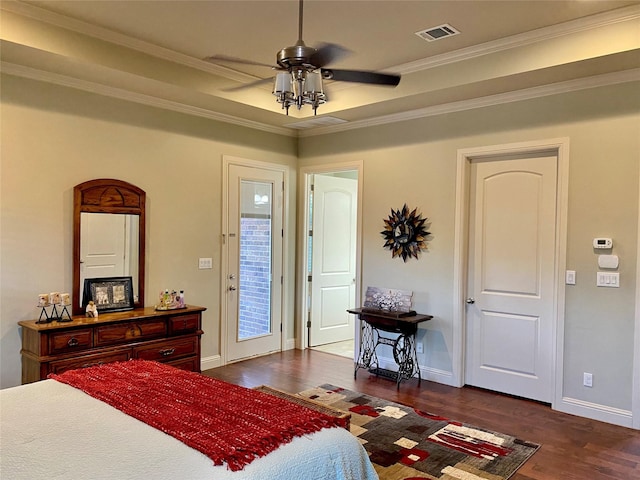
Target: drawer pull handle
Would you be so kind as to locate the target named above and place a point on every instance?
(135, 330)
(167, 351)
(73, 342)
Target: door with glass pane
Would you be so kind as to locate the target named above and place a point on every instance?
(254, 271)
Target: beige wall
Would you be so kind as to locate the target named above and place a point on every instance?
(415, 163)
(54, 138)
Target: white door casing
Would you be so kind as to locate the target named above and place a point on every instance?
(333, 285)
(269, 183)
(512, 235)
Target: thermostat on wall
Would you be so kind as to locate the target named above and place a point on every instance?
(602, 243)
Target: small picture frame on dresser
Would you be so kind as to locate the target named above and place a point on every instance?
(111, 294)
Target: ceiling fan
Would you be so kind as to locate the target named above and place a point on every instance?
(302, 68)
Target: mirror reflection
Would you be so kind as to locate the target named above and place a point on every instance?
(109, 245)
(108, 235)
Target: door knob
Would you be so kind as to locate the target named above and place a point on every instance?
(471, 300)
(232, 288)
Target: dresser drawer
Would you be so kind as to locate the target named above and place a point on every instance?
(191, 364)
(166, 351)
(184, 323)
(69, 341)
(129, 331)
(86, 361)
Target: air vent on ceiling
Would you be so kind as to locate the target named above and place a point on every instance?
(316, 122)
(437, 33)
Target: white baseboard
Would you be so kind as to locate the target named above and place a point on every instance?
(594, 411)
(430, 374)
(215, 361)
(438, 376)
(207, 363)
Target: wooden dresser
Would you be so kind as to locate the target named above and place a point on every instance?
(171, 336)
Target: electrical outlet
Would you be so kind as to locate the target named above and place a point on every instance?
(419, 347)
(587, 379)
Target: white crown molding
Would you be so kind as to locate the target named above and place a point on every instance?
(116, 38)
(515, 41)
(594, 21)
(92, 87)
(515, 96)
(502, 98)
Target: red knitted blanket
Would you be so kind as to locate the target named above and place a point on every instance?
(228, 423)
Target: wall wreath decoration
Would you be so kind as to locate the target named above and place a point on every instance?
(405, 233)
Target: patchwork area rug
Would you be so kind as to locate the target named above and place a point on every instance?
(407, 444)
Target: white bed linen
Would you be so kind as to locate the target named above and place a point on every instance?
(50, 430)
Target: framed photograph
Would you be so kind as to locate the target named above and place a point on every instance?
(111, 294)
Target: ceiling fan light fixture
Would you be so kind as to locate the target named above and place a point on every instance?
(282, 83)
(313, 83)
(283, 91)
(313, 94)
(299, 88)
(302, 69)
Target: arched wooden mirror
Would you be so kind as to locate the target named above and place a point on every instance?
(108, 235)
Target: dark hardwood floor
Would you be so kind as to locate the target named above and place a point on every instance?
(573, 448)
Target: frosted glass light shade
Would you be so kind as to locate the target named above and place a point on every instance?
(282, 83)
(313, 83)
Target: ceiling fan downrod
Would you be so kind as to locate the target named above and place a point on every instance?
(301, 84)
(300, 17)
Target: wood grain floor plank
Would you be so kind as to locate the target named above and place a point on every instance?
(573, 448)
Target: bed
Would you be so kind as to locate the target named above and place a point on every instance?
(53, 430)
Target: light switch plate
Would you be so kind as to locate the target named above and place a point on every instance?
(570, 278)
(205, 263)
(608, 279)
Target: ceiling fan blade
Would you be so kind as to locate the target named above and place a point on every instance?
(226, 58)
(248, 85)
(327, 53)
(360, 76)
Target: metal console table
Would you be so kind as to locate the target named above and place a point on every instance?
(372, 322)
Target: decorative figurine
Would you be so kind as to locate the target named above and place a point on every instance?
(171, 301)
(43, 300)
(92, 310)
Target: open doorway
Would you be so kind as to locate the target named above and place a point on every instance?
(331, 259)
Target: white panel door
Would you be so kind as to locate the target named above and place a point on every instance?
(333, 271)
(510, 334)
(103, 247)
(254, 283)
